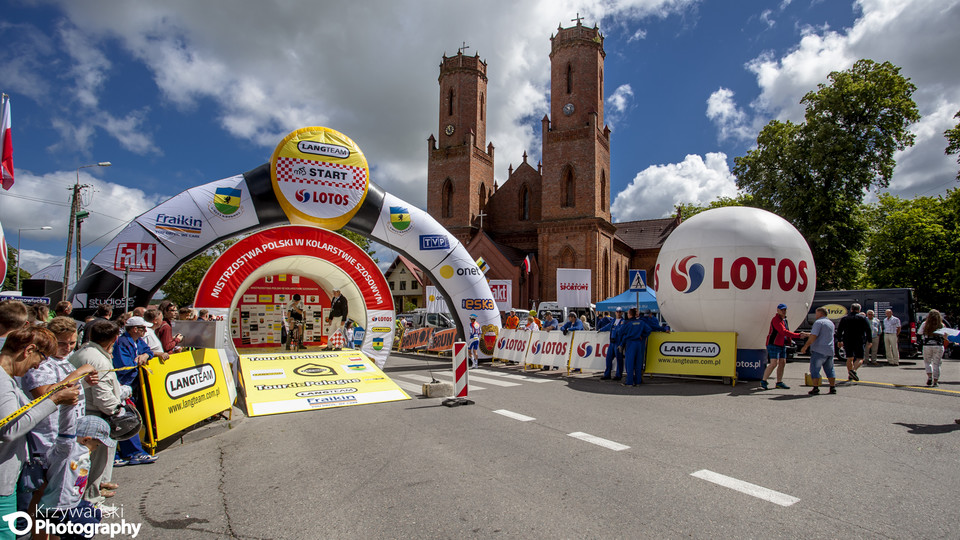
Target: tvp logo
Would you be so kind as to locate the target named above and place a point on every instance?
(686, 277)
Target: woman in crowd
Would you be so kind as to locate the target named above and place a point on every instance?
(169, 312)
(23, 350)
(933, 344)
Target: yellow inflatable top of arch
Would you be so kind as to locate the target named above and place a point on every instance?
(319, 176)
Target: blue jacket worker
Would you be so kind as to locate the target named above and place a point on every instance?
(653, 323)
(604, 322)
(573, 323)
(614, 348)
(633, 337)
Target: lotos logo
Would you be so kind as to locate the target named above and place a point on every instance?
(535, 348)
(744, 272)
(322, 197)
(302, 195)
(584, 350)
(686, 280)
(502, 343)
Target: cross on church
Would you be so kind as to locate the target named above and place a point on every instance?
(578, 19)
(463, 48)
(481, 215)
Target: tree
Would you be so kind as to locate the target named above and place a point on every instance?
(361, 241)
(816, 173)
(910, 245)
(688, 210)
(182, 286)
(10, 280)
(953, 141)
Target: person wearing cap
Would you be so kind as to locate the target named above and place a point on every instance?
(338, 314)
(573, 323)
(512, 321)
(633, 337)
(131, 351)
(70, 465)
(777, 347)
(536, 321)
(473, 349)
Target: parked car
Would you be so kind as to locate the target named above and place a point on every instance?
(421, 319)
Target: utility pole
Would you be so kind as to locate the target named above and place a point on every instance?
(74, 208)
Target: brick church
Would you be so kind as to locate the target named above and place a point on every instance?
(557, 211)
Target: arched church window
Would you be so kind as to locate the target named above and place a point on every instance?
(569, 78)
(450, 103)
(568, 259)
(524, 203)
(446, 199)
(568, 191)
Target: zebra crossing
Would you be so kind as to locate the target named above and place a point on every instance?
(480, 379)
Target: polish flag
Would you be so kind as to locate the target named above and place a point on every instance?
(526, 264)
(6, 160)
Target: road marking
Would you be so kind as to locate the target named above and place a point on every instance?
(494, 382)
(516, 377)
(409, 387)
(598, 441)
(515, 416)
(424, 379)
(753, 490)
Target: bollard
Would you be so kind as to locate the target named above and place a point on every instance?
(460, 376)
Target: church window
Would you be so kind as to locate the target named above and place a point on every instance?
(568, 259)
(446, 199)
(618, 282)
(524, 203)
(481, 106)
(605, 275)
(569, 78)
(567, 190)
(450, 103)
(483, 197)
(603, 190)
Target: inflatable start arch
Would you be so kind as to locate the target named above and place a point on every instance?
(316, 177)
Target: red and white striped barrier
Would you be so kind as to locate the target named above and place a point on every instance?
(460, 371)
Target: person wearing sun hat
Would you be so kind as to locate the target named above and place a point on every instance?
(473, 349)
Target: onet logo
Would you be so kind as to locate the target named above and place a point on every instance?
(686, 280)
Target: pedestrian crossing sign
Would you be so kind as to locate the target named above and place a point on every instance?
(638, 280)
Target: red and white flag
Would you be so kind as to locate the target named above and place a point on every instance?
(6, 162)
(526, 264)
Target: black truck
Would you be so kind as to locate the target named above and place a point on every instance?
(900, 301)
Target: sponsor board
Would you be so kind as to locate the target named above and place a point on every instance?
(589, 350)
(707, 354)
(416, 339)
(430, 242)
(574, 287)
(512, 345)
(549, 349)
(184, 390)
(341, 379)
(502, 290)
(442, 340)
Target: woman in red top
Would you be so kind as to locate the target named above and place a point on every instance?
(777, 347)
(164, 331)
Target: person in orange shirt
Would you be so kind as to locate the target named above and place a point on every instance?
(512, 321)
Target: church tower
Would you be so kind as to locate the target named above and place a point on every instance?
(459, 168)
(576, 231)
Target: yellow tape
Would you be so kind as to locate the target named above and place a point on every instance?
(22, 410)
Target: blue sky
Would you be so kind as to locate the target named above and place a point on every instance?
(180, 93)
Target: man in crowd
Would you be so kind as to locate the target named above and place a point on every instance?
(103, 313)
(603, 322)
(573, 323)
(891, 338)
(512, 321)
(633, 337)
(853, 333)
(820, 343)
(63, 309)
(777, 347)
(614, 348)
(130, 351)
(338, 314)
(549, 323)
(876, 329)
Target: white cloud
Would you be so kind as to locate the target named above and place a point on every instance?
(918, 35)
(90, 66)
(657, 190)
(765, 17)
(732, 122)
(617, 104)
(638, 35)
(129, 131)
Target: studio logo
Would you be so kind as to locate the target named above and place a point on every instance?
(684, 279)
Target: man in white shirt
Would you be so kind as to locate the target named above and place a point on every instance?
(891, 338)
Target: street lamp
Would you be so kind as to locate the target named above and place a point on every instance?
(74, 207)
(44, 228)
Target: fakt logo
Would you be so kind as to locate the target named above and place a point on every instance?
(686, 280)
(584, 350)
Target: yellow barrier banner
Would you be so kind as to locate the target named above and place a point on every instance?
(281, 383)
(708, 354)
(185, 389)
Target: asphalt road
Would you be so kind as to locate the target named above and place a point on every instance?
(873, 461)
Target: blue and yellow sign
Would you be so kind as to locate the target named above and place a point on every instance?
(399, 218)
(708, 354)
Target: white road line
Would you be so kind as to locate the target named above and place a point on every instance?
(598, 441)
(424, 379)
(754, 490)
(515, 416)
(494, 382)
(516, 377)
(409, 387)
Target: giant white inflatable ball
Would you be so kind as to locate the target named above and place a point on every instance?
(726, 269)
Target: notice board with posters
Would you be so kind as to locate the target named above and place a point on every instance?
(280, 383)
(258, 319)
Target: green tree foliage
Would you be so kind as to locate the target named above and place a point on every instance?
(182, 286)
(688, 210)
(10, 280)
(816, 173)
(912, 244)
(953, 141)
(361, 241)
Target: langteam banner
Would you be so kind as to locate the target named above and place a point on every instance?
(280, 383)
(184, 390)
(710, 354)
(574, 287)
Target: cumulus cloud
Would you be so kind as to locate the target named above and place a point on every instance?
(618, 103)
(732, 122)
(918, 35)
(657, 190)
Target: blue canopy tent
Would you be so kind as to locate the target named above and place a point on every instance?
(627, 300)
